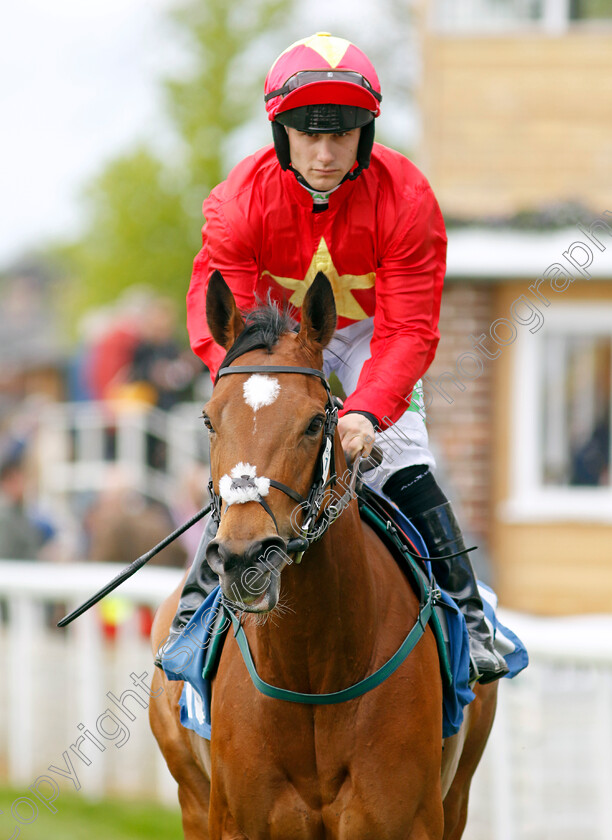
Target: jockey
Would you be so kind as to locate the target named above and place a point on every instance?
(326, 198)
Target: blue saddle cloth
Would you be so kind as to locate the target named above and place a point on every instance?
(194, 656)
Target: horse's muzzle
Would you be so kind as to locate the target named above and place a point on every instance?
(249, 573)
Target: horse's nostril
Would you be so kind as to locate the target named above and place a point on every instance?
(261, 551)
(228, 558)
(223, 557)
(216, 556)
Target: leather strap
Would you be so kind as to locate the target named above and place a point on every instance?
(273, 369)
(352, 691)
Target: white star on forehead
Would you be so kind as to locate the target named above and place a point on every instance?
(260, 390)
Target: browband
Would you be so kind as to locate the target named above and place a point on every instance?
(273, 369)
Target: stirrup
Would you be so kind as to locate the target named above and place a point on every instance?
(497, 669)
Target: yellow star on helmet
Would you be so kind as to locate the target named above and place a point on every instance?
(342, 285)
(331, 49)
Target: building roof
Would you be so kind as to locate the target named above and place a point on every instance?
(483, 253)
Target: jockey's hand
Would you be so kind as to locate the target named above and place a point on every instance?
(356, 436)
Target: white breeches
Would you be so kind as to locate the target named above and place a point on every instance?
(405, 444)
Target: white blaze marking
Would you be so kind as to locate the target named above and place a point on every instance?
(246, 475)
(260, 390)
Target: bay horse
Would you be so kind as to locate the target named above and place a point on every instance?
(373, 767)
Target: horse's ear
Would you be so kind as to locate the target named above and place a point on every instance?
(224, 320)
(318, 312)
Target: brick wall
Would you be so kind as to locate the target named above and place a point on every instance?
(461, 430)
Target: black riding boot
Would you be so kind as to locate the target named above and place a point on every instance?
(200, 582)
(442, 535)
(417, 494)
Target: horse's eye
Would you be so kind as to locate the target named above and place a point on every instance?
(207, 422)
(316, 424)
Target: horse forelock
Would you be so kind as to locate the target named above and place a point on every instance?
(265, 325)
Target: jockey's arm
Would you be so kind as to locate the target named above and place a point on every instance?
(409, 282)
(238, 265)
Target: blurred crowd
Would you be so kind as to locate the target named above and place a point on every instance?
(130, 351)
(130, 357)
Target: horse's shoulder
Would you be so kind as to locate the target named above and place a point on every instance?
(390, 580)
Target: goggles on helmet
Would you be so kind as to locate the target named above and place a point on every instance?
(325, 119)
(307, 77)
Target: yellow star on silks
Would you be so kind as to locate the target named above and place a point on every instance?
(342, 285)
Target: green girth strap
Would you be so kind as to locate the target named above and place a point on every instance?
(352, 691)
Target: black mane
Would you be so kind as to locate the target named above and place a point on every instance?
(265, 324)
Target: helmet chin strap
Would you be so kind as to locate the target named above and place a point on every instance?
(354, 173)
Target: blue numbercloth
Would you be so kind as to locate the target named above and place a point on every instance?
(456, 694)
(506, 642)
(186, 658)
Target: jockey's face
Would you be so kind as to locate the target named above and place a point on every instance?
(323, 159)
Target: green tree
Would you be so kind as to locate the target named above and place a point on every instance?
(226, 87)
(144, 214)
(138, 233)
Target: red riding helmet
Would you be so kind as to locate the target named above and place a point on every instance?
(323, 84)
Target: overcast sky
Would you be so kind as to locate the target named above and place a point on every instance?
(79, 84)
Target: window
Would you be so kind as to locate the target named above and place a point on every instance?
(504, 16)
(562, 416)
(590, 10)
(575, 422)
(458, 15)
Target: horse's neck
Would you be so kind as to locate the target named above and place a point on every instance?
(330, 611)
(335, 571)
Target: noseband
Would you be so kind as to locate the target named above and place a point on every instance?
(316, 522)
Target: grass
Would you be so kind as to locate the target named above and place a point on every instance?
(80, 819)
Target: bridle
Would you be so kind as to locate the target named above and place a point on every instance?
(316, 521)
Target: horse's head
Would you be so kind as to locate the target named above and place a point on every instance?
(266, 435)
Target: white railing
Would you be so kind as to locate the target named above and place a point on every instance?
(547, 771)
(89, 447)
(56, 682)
